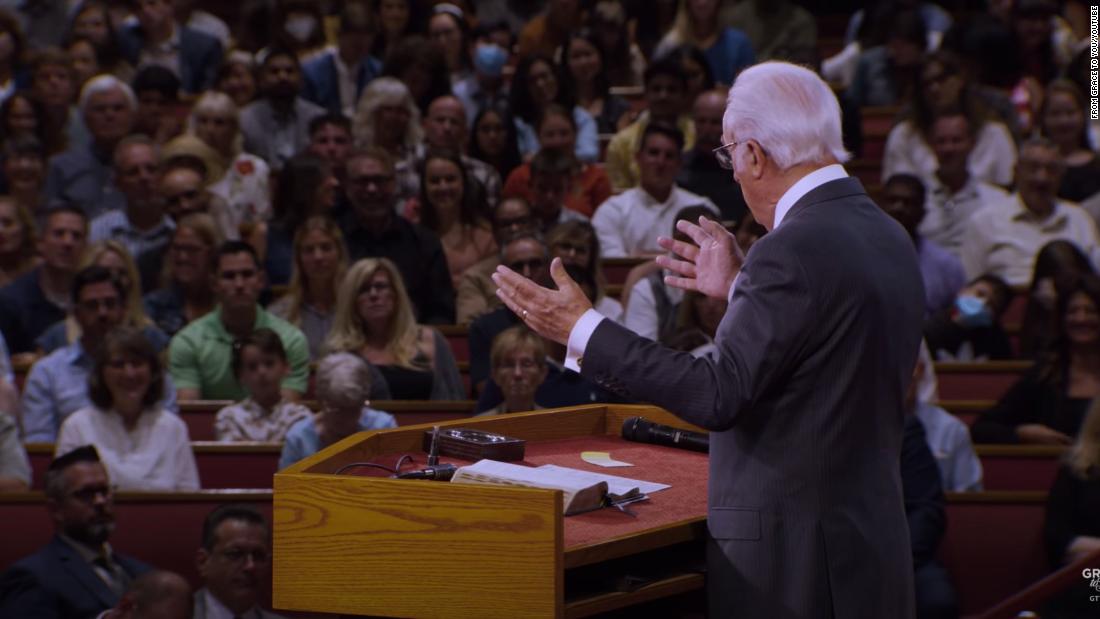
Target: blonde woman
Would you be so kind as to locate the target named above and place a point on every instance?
(728, 50)
(1072, 528)
(375, 320)
(17, 240)
(320, 261)
(387, 118)
(112, 256)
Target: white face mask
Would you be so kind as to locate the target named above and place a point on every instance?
(300, 27)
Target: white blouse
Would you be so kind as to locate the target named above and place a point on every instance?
(155, 455)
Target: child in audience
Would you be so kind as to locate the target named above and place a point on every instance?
(260, 364)
(970, 330)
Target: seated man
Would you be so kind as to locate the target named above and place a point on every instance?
(200, 356)
(1003, 239)
(57, 385)
(36, 300)
(154, 595)
(234, 562)
(903, 199)
(518, 358)
(476, 291)
(550, 184)
(628, 224)
(76, 574)
(334, 78)
(276, 125)
(157, 39)
(970, 329)
(330, 139)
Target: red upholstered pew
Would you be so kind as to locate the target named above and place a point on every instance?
(1019, 467)
(978, 381)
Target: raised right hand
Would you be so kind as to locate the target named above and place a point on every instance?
(710, 265)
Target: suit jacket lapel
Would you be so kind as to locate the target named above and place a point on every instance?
(82, 573)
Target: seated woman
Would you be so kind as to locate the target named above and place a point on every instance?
(112, 256)
(582, 70)
(518, 361)
(387, 118)
(260, 364)
(494, 140)
(1062, 121)
(307, 187)
(17, 241)
(576, 243)
(1072, 527)
(374, 319)
(1058, 265)
(1048, 404)
(970, 330)
(320, 261)
(342, 385)
(143, 446)
(188, 279)
(535, 85)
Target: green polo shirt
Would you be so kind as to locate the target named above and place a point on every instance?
(201, 356)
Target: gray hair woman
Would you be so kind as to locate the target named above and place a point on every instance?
(342, 386)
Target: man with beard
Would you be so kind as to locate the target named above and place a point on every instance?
(76, 574)
(234, 563)
(276, 126)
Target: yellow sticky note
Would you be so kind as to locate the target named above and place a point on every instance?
(602, 458)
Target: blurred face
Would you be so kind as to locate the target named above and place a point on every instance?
(155, 14)
(444, 186)
(376, 301)
(280, 78)
(519, 374)
(262, 373)
(557, 133)
(25, 172)
(391, 122)
(53, 85)
(12, 232)
(236, 567)
(91, 24)
(702, 11)
(491, 135)
(952, 142)
(542, 83)
(127, 377)
(21, 118)
(98, 309)
(239, 282)
(665, 96)
(319, 255)
(707, 114)
(1038, 175)
(1063, 120)
(331, 143)
(584, 61)
(136, 174)
(109, 116)
(62, 242)
(1082, 322)
(572, 252)
(510, 217)
(658, 162)
(327, 192)
(528, 258)
(445, 124)
(370, 187)
(239, 84)
(941, 88)
(86, 512)
(85, 63)
(152, 107)
(903, 203)
(394, 15)
(548, 193)
(188, 255)
(217, 130)
(183, 193)
(446, 35)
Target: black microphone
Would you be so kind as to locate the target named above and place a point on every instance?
(439, 472)
(641, 430)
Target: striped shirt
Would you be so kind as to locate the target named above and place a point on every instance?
(116, 225)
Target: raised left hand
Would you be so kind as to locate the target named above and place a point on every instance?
(550, 313)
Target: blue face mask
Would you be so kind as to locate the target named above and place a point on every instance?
(972, 312)
(490, 59)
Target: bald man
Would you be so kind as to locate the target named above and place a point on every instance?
(700, 173)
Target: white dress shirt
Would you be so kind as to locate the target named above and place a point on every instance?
(629, 223)
(946, 213)
(155, 455)
(586, 325)
(1003, 239)
(992, 160)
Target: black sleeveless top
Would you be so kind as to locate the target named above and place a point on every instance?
(407, 384)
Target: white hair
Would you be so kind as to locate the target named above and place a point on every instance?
(385, 91)
(104, 83)
(790, 111)
(343, 380)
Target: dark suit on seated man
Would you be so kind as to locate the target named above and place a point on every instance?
(77, 574)
(806, 401)
(158, 39)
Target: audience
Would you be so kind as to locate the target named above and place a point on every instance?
(777, 29)
(308, 187)
(334, 78)
(234, 564)
(330, 140)
(260, 364)
(387, 119)
(1048, 404)
(445, 128)
(187, 282)
(374, 319)
(475, 289)
(76, 574)
(200, 355)
(449, 31)
(629, 223)
(518, 359)
(583, 71)
(548, 30)
(24, 167)
(164, 595)
(53, 86)
(143, 446)
(1062, 121)
(970, 329)
(485, 88)
(343, 386)
(182, 186)
(1003, 239)
(535, 86)
(884, 74)
(947, 438)
(553, 174)
(276, 126)
(37, 299)
(157, 39)
(495, 141)
(700, 172)
(18, 254)
(1058, 267)
(92, 20)
(728, 50)
(420, 66)
(157, 90)
(237, 78)
(576, 243)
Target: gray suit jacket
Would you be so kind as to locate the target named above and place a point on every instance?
(805, 410)
(199, 610)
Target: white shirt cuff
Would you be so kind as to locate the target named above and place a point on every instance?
(733, 287)
(579, 336)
